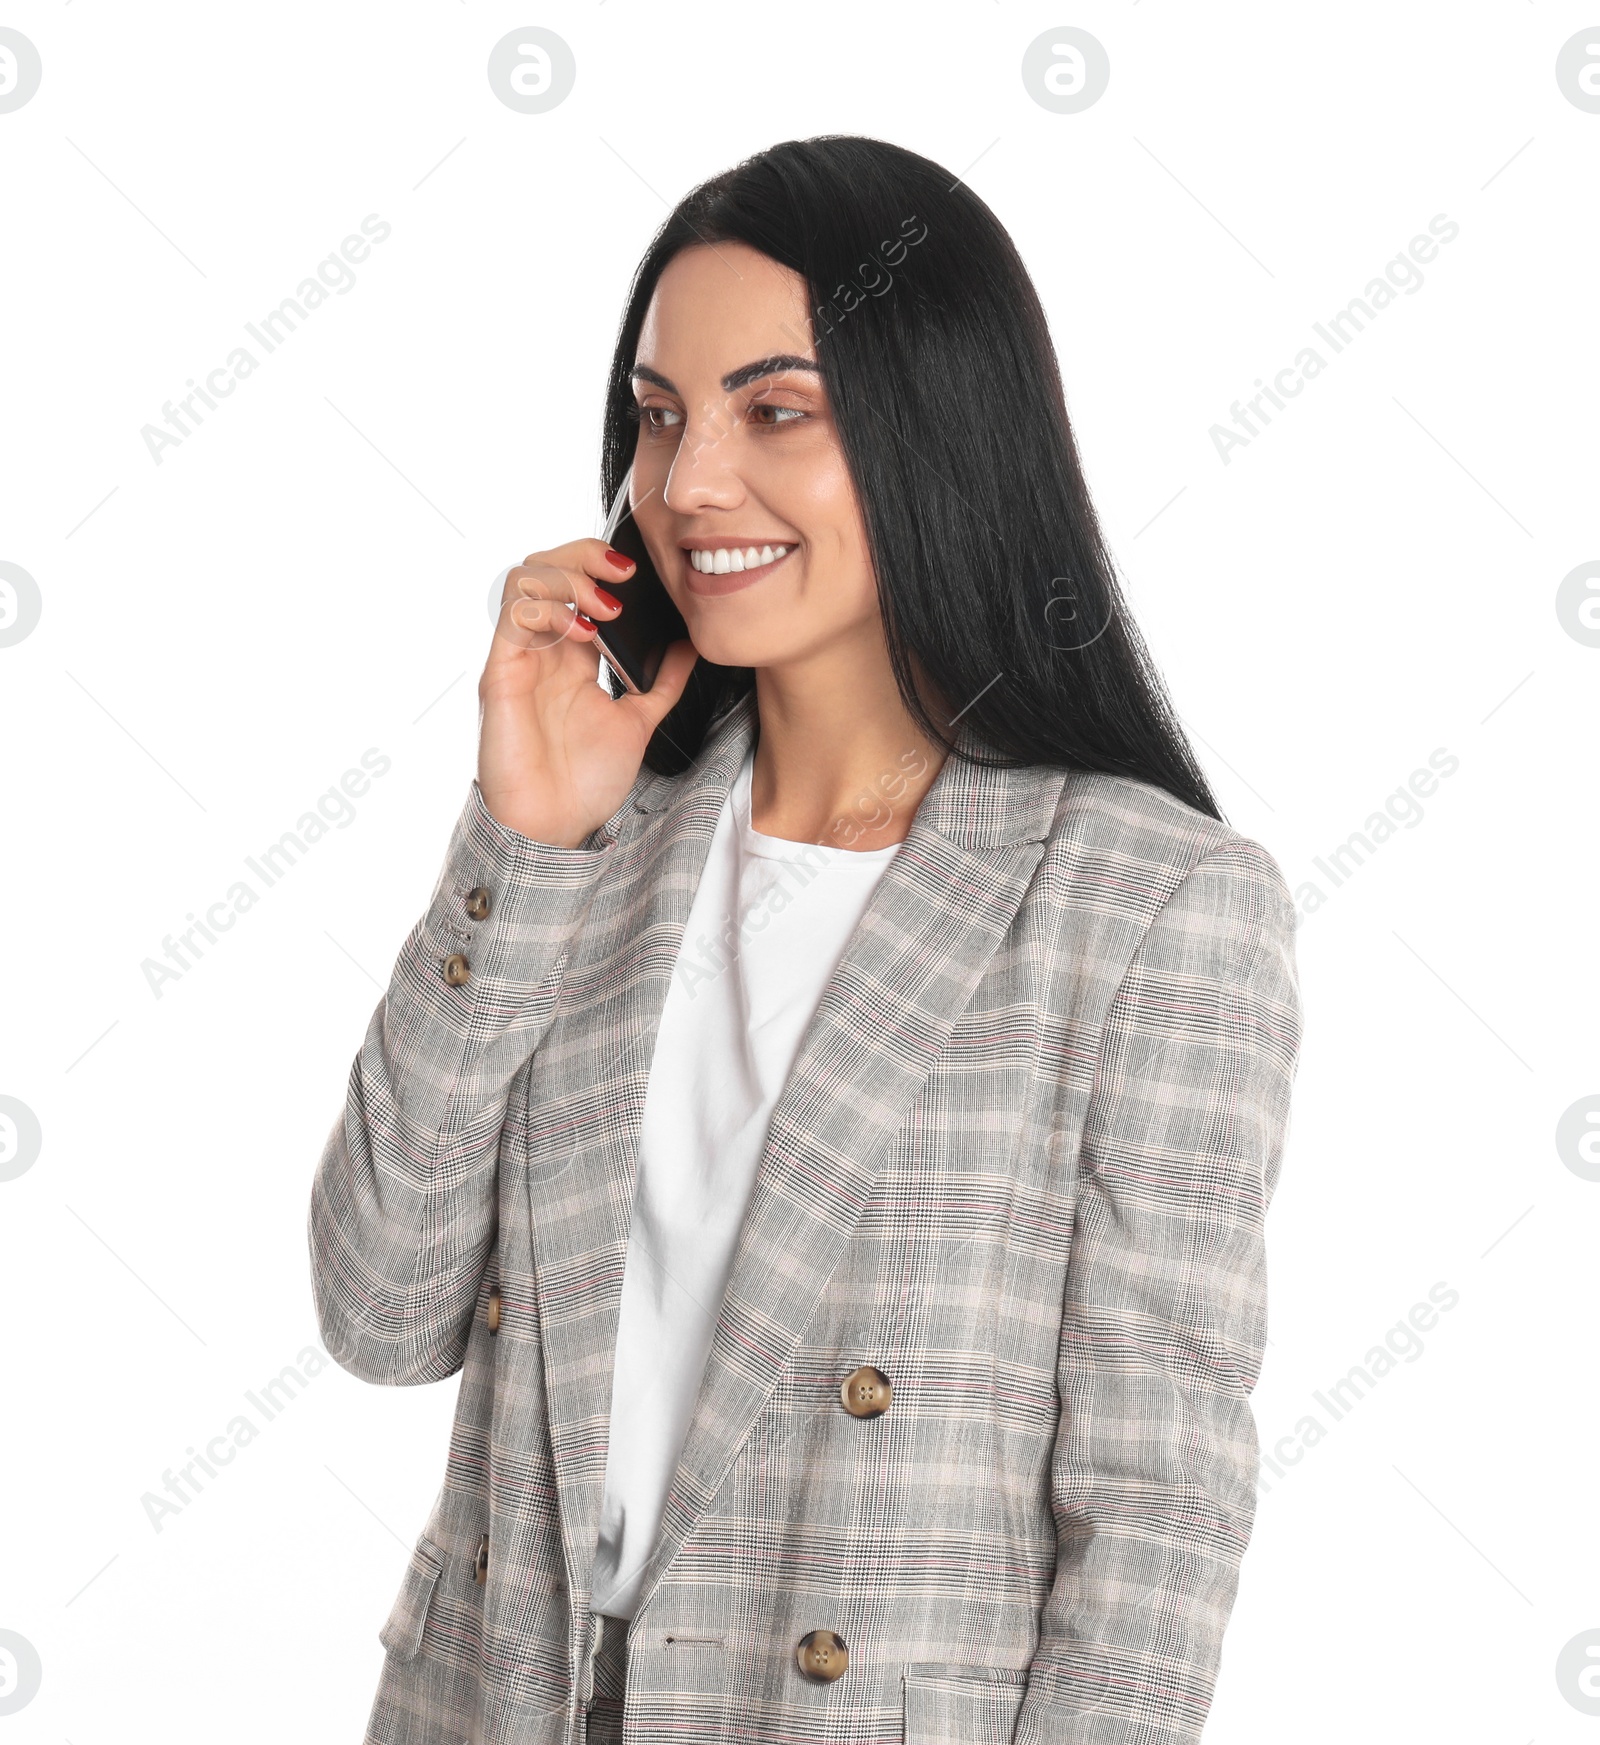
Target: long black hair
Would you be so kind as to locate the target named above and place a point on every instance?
(993, 576)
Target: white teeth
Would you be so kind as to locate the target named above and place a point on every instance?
(721, 562)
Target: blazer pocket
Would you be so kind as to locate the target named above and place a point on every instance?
(961, 1705)
(402, 1634)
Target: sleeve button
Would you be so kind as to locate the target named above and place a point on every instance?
(456, 970)
(478, 903)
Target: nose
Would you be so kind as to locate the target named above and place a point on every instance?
(702, 474)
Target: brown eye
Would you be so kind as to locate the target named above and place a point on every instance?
(655, 419)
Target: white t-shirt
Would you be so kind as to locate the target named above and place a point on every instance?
(769, 922)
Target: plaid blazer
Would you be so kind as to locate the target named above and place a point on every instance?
(1021, 1167)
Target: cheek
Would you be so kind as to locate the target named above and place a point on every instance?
(651, 520)
(822, 504)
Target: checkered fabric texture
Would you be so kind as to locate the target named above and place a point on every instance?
(610, 1682)
(1021, 1166)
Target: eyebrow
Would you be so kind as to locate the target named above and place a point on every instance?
(739, 378)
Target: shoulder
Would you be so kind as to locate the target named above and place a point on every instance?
(1125, 850)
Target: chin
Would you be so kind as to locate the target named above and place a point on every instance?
(724, 646)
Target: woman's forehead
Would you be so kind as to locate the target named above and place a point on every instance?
(720, 307)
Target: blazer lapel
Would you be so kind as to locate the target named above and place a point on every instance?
(935, 919)
(583, 1135)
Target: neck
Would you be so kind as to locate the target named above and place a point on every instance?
(839, 759)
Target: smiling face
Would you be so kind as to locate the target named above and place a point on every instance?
(740, 487)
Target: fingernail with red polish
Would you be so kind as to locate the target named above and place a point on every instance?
(617, 560)
(606, 599)
(584, 619)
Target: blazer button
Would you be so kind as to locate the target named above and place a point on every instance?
(493, 1315)
(478, 903)
(456, 970)
(480, 1561)
(822, 1656)
(866, 1392)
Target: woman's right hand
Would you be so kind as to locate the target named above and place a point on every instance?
(556, 754)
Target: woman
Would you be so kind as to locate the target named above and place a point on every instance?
(829, 1108)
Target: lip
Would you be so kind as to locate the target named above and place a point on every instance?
(698, 582)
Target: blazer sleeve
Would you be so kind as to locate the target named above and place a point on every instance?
(1153, 1475)
(403, 1199)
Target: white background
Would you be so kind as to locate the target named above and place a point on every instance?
(305, 577)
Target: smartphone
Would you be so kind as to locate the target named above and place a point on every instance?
(633, 642)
